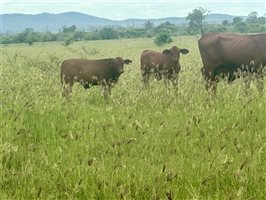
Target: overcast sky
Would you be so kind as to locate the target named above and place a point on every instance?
(124, 9)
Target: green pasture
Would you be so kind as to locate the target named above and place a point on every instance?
(144, 143)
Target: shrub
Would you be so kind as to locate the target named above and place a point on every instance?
(108, 33)
(163, 38)
(67, 42)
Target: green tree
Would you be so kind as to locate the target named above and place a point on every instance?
(242, 27)
(165, 27)
(237, 20)
(148, 25)
(163, 38)
(225, 22)
(149, 28)
(135, 32)
(108, 33)
(252, 17)
(196, 20)
(27, 36)
(69, 29)
(262, 20)
(212, 28)
(68, 41)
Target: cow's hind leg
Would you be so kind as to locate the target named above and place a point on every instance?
(247, 81)
(211, 83)
(260, 83)
(67, 90)
(145, 79)
(210, 80)
(67, 87)
(106, 91)
(145, 74)
(86, 86)
(213, 86)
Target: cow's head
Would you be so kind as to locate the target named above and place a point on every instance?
(174, 52)
(120, 63)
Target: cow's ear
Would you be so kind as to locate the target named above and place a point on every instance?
(166, 51)
(127, 61)
(184, 51)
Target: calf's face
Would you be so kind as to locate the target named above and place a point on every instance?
(120, 63)
(174, 53)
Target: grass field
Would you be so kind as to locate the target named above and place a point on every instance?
(142, 144)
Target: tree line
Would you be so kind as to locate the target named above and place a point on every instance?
(162, 33)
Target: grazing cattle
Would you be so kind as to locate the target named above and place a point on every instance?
(103, 72)
(226, 54)
(161, 64)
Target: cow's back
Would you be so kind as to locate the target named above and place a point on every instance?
(232, 50)
(88, 70)
(150, 59)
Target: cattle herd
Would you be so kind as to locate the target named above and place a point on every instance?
(222, 54)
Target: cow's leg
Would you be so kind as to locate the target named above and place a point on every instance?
(158, 76)
(106, 91)
(208, 78)
(174, 80)
(86, 85)
(211, 84)
(260, 83)
(67, 87)
(247, 81)
(213, 77)
(166, 81)
(247, 74)
(67, 90)
(145, 78)
(145, 74)
(231, 76)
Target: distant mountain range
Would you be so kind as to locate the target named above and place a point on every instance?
(53, 22)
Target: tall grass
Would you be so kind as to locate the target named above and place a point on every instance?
(142, 144)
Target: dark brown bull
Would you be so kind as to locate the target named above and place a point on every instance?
(103, 72)
(227, 54)
(161, 64)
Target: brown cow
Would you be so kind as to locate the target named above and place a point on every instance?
(162, 65)
(225, 54)
(103, 72)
